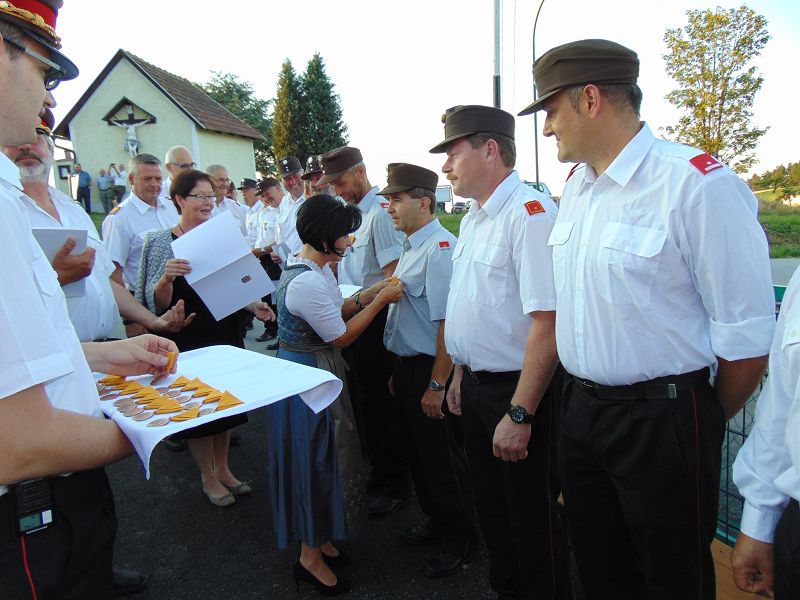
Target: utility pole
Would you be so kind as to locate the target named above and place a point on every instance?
(497, 41)
(535, 95)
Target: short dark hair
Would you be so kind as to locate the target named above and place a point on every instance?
(420, 192)
(184, 183)
(142, 159)
(620, 95)
(322, 219)
(262, 185)
(9, 32)
(506, 145)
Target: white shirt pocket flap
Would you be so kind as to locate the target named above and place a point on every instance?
(560, 233)
(640, 241)
(413, 288)
(493, 256)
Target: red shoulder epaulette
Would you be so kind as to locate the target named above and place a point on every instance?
(572, 170)
(705, 163)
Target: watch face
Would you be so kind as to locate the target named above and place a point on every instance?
(517, 414)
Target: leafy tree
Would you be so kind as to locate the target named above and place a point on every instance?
(709, 59)
(289, 118)
(325, 129)
(239, 97)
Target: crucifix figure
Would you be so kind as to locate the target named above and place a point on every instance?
(130, 124)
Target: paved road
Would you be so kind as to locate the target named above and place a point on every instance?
(782, 269)
(195, 551)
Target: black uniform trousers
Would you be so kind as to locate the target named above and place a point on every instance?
(435, 453)
(375, 409)
(787, 554)
(641, 484)
(516, 501)
(71, 559)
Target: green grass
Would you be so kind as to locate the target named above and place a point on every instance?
(450, 222)
(97, 219)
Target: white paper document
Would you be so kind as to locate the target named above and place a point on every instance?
(255, 379)
(348, 290)
(225, 274)
(283, 252)
(52, 239)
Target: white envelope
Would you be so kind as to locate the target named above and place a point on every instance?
(225, 274)
(52, 239)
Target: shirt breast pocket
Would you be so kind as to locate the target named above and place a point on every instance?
(627, 263)
(559, 236)
(490, 270)
(413, 287)
(45, 276)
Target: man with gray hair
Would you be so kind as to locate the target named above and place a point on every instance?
(177, 159)
(219, 175)
(142, 211)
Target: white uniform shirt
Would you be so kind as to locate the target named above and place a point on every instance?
(121, 179)
(315, 297)
(236, 209)
(425, 268)
(767, 468)
(95, 314)
(38, 344)
(377, 244)
(659, 266)
(288, 223)
(126, 226)
(502, 272)
(252, 221)
(267, 227)
(165, 185)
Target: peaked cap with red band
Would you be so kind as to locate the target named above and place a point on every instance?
(37, 20)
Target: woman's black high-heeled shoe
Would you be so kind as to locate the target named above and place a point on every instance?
(341, 560)
(303, 574)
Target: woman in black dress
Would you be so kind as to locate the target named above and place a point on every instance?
(160, 285)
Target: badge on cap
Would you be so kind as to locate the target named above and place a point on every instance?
(533, 207)
(705, 163)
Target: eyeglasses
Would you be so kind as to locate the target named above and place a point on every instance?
(185, 165)
(54, 73)
(202, 196)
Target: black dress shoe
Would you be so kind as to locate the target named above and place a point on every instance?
(174, 444)
(444, 564)
(128, 581)
(273, 345)
(303, 574)
(267, 335)
(419, 535)
(383, 505)
(341, 560)
(374, 485)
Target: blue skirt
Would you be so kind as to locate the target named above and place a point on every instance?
(317, 482)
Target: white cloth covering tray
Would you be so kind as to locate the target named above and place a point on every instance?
(255, 379)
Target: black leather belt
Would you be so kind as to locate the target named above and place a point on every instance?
(487, 377)
(660, 388)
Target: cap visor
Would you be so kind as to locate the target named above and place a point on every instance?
(329, 177)
(291, 172)
(536, 104)
(69, 68)
(309, 175)
(394, 189)
(442, 146)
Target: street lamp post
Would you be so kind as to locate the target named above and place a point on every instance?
(535, 95)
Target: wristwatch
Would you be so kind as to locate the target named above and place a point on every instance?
(519, 415)
(436, 386)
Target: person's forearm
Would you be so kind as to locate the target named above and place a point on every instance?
(162, 295)
(736, 380)
(538, 363)
(37, 440)
(388, 270)
(129, 307)
(357, 324)
(442, 363)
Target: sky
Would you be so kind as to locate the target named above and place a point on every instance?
(397, 66)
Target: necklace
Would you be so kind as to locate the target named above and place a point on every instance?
(181, 228)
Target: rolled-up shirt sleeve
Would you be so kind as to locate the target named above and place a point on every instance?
(764, 471)
(388, 241)
(533, 262)
(729, 260)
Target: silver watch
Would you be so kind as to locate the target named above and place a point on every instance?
(436, 386)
